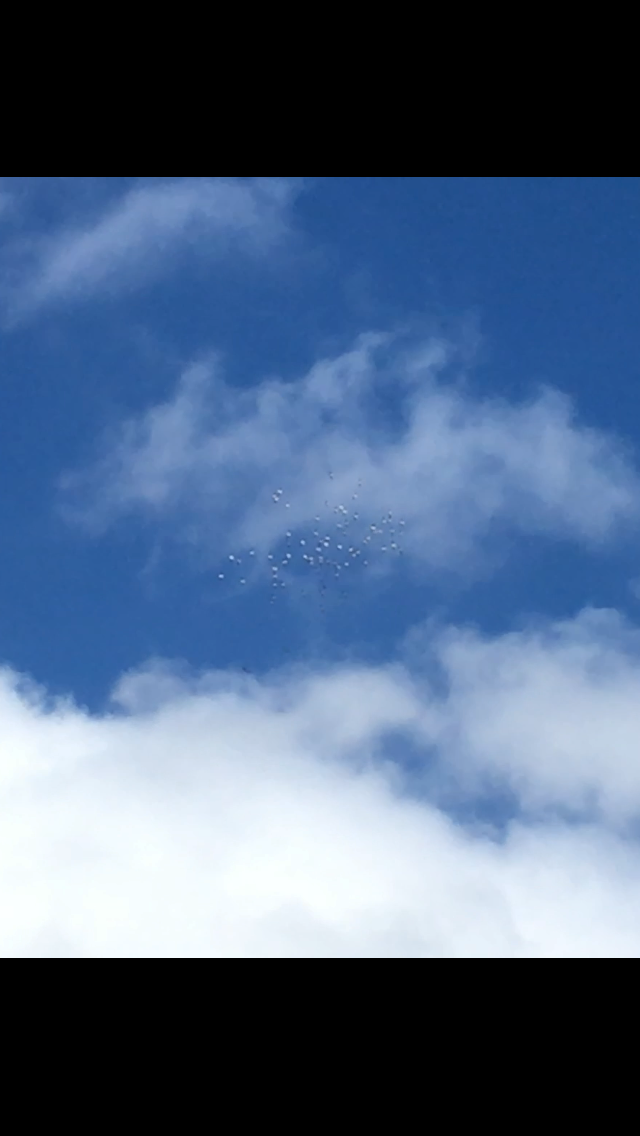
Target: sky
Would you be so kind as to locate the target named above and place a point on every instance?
(320, 585)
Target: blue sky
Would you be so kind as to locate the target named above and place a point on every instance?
(319, 596)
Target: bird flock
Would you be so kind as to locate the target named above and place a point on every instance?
(338, 544)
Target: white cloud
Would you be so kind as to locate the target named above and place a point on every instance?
(453, 465)
(222, 817)
(549, 713)
(141, 235)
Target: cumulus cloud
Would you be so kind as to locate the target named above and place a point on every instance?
(140, 235)
(384, 419)
(550, 713)
(219, 816)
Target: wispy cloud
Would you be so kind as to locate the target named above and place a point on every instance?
(6, 201)
(141, 234)
(452, 464)
(217, 816)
